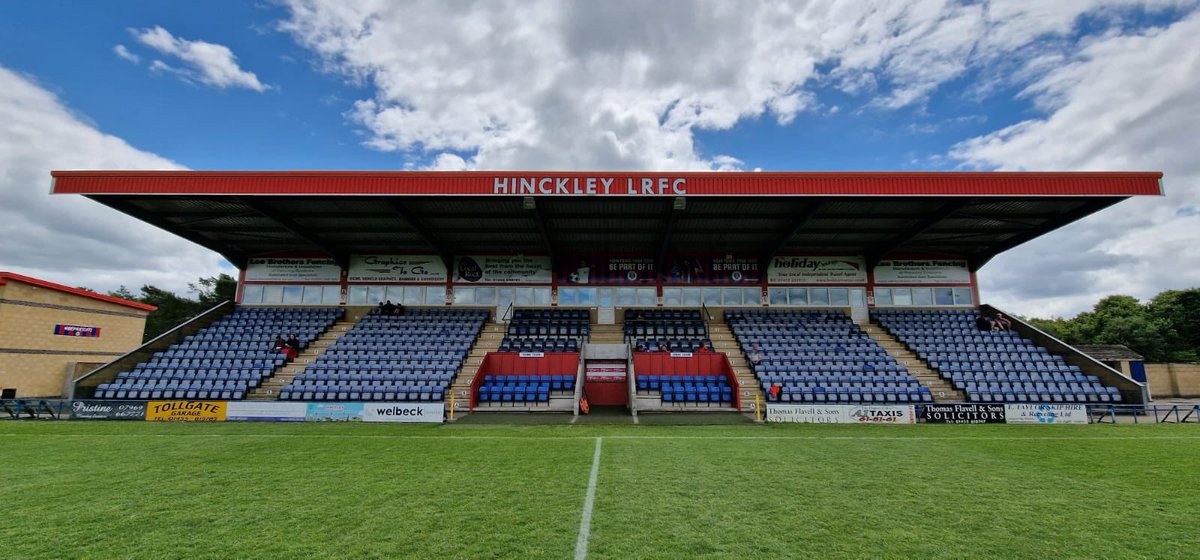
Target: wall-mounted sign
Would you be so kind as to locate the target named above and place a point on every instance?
(817, 270)
(712, 270)
(292, 270)
(502, 269)
(608, 270)
(396, 268)
(76, 330)
(922, 271)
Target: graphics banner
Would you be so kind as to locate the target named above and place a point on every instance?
(964, 413)
(293, 270)
(403, 412)
(922, 271)
(76, 330)
(1045, 414)
(185, 411)
(841, 413)
(502, 269)
(396, 268)
(712, 270)
(108, 410)
(817, 270)
(242, 411)
(608, 270)
(334, 411)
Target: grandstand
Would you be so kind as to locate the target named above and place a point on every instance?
(654, 292)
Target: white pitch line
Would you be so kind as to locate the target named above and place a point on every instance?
(582, 438)
(585, 522)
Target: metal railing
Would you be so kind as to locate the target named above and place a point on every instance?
(1139, 414)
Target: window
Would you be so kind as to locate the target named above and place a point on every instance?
(541, 296)
(818, 296)
(626, 296)
(963, 296)
(647, 296)
(587, 296)
(691, 297)
(524, 296)
(272, 295)
(394, 293)
(293, 295)
(412, 295)
(568, 296)
(858, 297)
(902, 296)
(922, 297)
(797, 296)
(331, 295)
(712, 296)
(752, 296)
(464, 296)
(435, 295)
(732, 296)
(777, 296)
(357, 295)
(943, 296)
(605, 297)
(504, 297)
(839, 296)
(312, 295)
(883, 296)
(672, 296)
(252, 294)
(375, 295)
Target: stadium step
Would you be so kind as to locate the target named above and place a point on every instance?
(269, 390)
(724, 341)
(489, 341)
(942, 390)
(608, 334)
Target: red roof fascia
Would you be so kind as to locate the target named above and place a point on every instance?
(482, 183)
(6, 276)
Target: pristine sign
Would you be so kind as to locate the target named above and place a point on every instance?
(108, 410)
(590, 186)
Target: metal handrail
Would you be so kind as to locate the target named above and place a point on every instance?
(508, 313)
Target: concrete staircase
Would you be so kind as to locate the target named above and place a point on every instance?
(724, 341)
(608, 334)
(489, 341)
(942, 390)
(269, 390)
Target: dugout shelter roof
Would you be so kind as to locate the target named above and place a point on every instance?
(968, 215)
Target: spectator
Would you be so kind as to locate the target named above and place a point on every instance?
(773, 392)
(387, 308)
(704, 347)
(292, 347)
(1003, 323)
(641, 347)
(665, 347)
(755, 355)
(984, 324)
(280, 344)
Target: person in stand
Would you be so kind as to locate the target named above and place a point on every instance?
(641, 347)
(280, 344)
(704, 347)
(665, 347)
(387, 308)
(1002, 323)
(398, 309)
(983, 323)
(292, 347)
(773, 392)
(755, 355)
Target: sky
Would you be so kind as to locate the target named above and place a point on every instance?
(1087, 85)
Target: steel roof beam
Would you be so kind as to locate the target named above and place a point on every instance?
(237, 258)
(1084, 210)
(794, 227)
(944, 211)
(341, 257)
(422, 230)
(539, 220)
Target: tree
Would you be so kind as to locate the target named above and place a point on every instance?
(1165, 330)
(174, 310)
(215, 289)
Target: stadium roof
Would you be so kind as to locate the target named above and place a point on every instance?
(6, 276)
(973, 216)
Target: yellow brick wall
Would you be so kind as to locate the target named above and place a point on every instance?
(1174, 380)
(32, 328)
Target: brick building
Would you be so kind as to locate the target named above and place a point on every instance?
(47, 328)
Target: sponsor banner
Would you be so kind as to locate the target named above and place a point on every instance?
(532, 354)
(880, 414)
(396, 268)
(333, 411)
(608, 270)
(964, 413)
(502, 269)
(108, 410)
(293, 270)
(841, 413)
(185, 411)
(681, 354)
(922, 271)
(243, 411)
(805, 413)
(817, 270)
(712, 270)
(76, 330)
(1045, 414)
(403, 412)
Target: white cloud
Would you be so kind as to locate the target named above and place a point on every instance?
(67, 238)
(625, 84)
(124, 53)
(208, 63)
(1123, 102)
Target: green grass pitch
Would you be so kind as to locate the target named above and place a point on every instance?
(140, 490)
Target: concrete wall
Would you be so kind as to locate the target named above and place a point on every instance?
(34, 360)
(1174, 380)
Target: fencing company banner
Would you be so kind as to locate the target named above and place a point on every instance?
(502, 269)
(817, 270)
(922, 271)
(964, 413)
(1045, 414)
(841, 414)
(403, 412)
(396, 268)
(293, 270)
(242, 411)
(108, 410)
(185, 411)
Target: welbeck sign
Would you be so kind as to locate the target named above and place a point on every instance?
(1045, 414)
(396, 268)
(403, 412)
(292, 270)
(502, 269)
(817, 270)
(108, 410)
(964, 414)
(922, 271)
